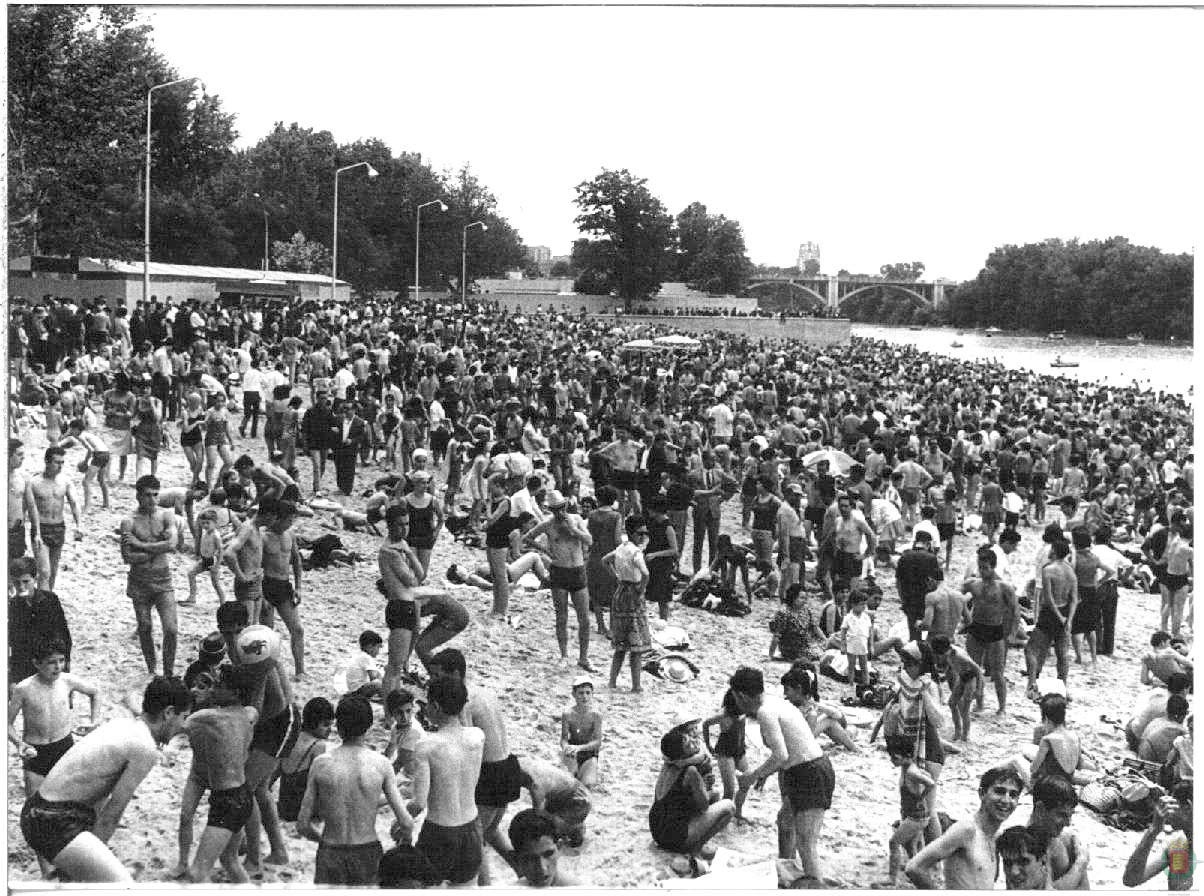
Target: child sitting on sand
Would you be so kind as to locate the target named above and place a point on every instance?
(800, 686)
(915, 783)
(209, 548)
(729, 749)
(362, 672)
(316, 719)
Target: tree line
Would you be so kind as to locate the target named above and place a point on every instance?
(78, 81)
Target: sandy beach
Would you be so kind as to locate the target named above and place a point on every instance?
(519, 664)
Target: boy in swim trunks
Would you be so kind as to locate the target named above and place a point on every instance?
(994, 612)
(43, 699)
(147, 537)
(568, 539)
(965, 679)
(345, 785)
(59, 822)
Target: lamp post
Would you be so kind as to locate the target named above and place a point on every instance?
(146, 253)
(418, 232)
(334, 247)
(265, 231)
(464, 259)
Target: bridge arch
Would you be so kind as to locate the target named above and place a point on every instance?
(790, 283)
(903, 289)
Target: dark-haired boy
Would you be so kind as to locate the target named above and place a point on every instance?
(1024, 855)
(344, 787)
(49, 492)
(59, 822)
(1054, 801)
(965, 678)
(34, 616)
(1163, 661)
(1159, 736)
(147, 537)
(537, 850)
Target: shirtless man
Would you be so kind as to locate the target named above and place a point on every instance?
(280, 558)
(568, 539)
(181, 500)
(61, 822)
(48, 493)
(851, 533)
(623, 457)
(1024, 854)
(447, 766)
(500, 777)
(1054, 801)
(147, 537)
(537, 850)
(967, 849)
(965, 679)
(993, 612)
(805, 775)
(556, 791)
(944, 612)
(345, 785)
(43, 698)
(19, 504)
(219, 733)
(1059, 599)
(401, 572)
(1179, 563)
(244, 555)
(1163, 661)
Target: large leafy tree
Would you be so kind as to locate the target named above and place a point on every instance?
(904, 271)
(632, 230)
(711, 254)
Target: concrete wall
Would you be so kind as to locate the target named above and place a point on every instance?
(128, 290)
(542, 286)
(812, 330)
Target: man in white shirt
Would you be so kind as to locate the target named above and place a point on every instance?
(721, 417)
(251, 400)
(342, 379)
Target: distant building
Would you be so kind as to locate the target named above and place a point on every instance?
(541, 257)
(807, 252)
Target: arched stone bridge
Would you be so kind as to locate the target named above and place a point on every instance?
(832, 291)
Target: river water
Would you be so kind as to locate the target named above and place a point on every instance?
(1168, 367)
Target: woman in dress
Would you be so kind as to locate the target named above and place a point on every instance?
(605, 525)
(628, 613)
(147, 427)
(118, 411)
(795, 634)
(661, 556)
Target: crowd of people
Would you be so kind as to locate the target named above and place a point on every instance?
(604, 477)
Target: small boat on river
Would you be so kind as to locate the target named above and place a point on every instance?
(1056, 336)
(1135, 337)
(991, 331)
(1058, 362)
(955, 344)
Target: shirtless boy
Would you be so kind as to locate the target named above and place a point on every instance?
(447, 765)
(805, 775)
(244, 555)
(147, 537)
(568, 539)
(1054, 801)
(555, 791)
(967, 849)
(1058, 601)
(944, 612)
(400, 573)
(280, 559)
(994, 609)
(537, 850)
(48, 493)
(61, 822)
(500, 779)
(965, 679)
(219, 732)
(43, 699)
(345, 785)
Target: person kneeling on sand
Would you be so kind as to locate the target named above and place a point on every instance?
(59, 822)
(556, 792)
(682, 817)
(800, 687)
(537, 850)
(344, 787)
(967, 849)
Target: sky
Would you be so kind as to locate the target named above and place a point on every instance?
(931, 135)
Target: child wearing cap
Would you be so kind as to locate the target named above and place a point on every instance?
(581, 733)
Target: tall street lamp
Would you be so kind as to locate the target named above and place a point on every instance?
(265, 231)
(464, 259)
(334, 248)
(146, 253)
(417, 233)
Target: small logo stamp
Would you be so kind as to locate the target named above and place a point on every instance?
(1178, 856)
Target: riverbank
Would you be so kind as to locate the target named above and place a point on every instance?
(518, 664)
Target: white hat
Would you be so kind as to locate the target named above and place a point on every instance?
(555, 499)
(685, 716)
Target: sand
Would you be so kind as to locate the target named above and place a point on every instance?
(519, 663)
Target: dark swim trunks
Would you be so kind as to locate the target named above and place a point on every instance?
(946, 531)
(454, 854)
(49, 827)
(624, 480)
(400, 614)
(277, 591)
(1048, 623)
(16, 541)
(1174, 581)
(48, 756)
(54, 535)
(568, 578)
(985, 633)
(499, 784)
(809, 785)
(248, 590)
(348, 866)
(230, 809)
(276, 736)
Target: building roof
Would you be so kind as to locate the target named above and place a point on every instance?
(195, 271)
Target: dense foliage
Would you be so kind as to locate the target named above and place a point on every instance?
(1106, 288)
(78, 81)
